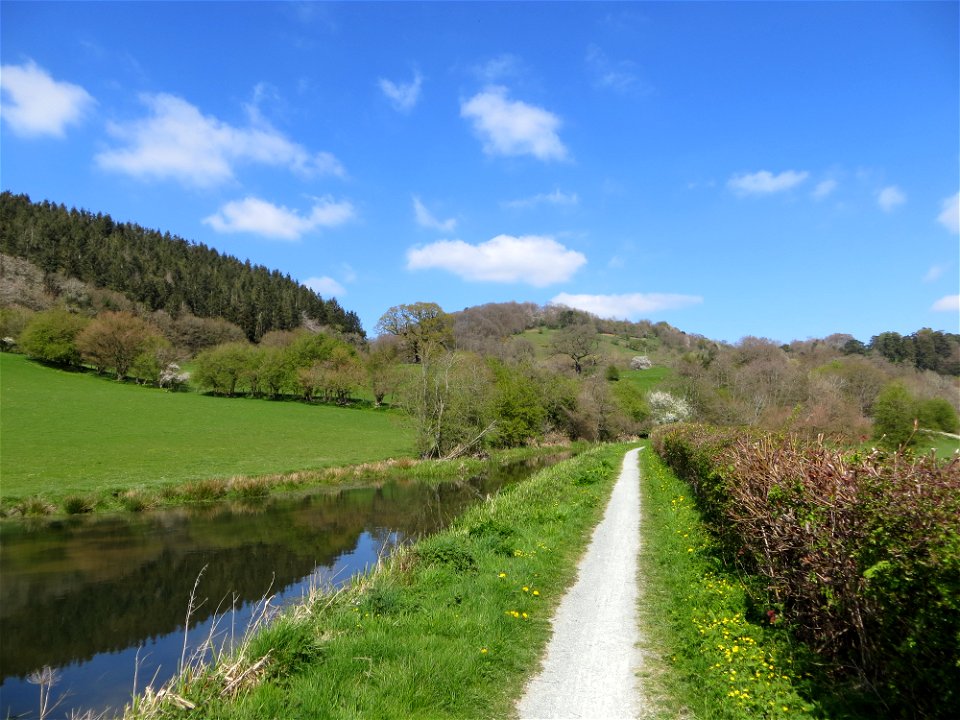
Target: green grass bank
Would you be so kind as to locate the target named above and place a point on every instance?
(67, 433)
(449, 628)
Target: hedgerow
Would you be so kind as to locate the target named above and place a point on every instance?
(858, 553)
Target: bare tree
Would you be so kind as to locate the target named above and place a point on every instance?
(577, 342)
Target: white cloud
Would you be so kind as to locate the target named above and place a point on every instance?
(176, 141)
(35, 104)
(764, 182)
(427, 220)
(325, 286)
(531, 259)
(890, 197)
(628, 306)
(554, 198)
(259, 217)
(948, 303)
(950, 216)
(512, 127)
(933, 273)
(403, 96)
(824, 188)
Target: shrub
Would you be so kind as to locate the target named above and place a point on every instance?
(938, 414)
(859, 554)
(51, 336)
(666, 408)
(893, 416)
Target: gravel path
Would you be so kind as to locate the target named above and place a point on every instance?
(591, 662)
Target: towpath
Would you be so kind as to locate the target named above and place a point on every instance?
(591, 663)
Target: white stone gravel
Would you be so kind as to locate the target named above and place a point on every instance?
(590, 669)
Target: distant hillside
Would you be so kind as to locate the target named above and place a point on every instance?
(161, 271)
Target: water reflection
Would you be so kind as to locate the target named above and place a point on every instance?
(95, 596)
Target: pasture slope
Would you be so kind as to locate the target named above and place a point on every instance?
(64, 432)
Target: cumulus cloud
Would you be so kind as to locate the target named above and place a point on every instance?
(765, 183)
(824, 188)
(554, 198)
(890, 197)
(403, 96)
(948, 303)
(512, 127)
(950, 215)
(628, 306)
(427, 220)
(325, 286)
(259, 217)
(176, 141)
(34, 104)
(531, 259)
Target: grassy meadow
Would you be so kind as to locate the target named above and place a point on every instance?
(63, 433)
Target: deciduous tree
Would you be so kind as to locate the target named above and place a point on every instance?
(419, 325)
(113, 340)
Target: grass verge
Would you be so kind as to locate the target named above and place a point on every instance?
(451, 627)
(724, 657)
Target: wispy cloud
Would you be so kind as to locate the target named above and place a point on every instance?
(553, 198)
(427, 220)
(259, 217)
(532, 259)
(824, 188)
(765, 182)
(325, 286)
(889, 198)
(403, 96)
(498, 69)
(512, 127)
(950, 215)
(948, 303)
(176, 141)
(618, 75)
(934, 273)
(34, 104)
(629, 306)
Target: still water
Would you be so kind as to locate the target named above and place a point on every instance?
(104, 600)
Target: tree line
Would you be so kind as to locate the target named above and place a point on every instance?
(161, 271)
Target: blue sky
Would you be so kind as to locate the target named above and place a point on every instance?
(787, 170)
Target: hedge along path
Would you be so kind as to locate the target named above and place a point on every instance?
(590, 669)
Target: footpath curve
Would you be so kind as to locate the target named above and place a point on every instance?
(590, 669)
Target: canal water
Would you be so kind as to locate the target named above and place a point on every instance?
(104, 600)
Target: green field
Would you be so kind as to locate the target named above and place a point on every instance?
(68, 432)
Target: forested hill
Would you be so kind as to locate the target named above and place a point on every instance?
(161, 271)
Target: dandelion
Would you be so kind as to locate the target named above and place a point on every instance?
(526, 589)
(525, 616)
(483, 651)
(536, 593)
(503, 575)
